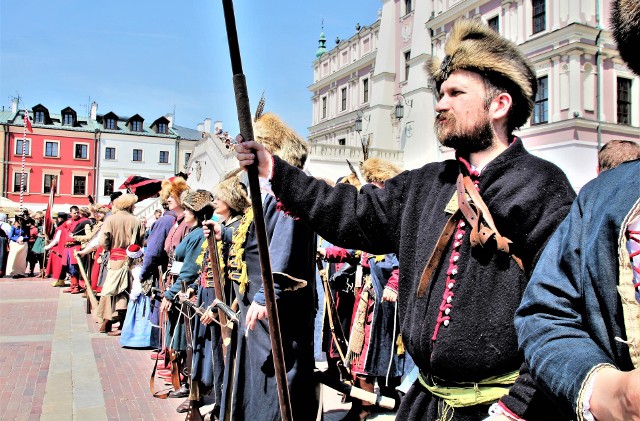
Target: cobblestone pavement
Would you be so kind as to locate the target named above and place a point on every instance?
(54, 365)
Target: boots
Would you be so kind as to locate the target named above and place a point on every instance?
(73, 287)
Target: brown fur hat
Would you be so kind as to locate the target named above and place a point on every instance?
(378, 170)
(173, 186)
(474, 46)
(125, 201)
(232, 192)
(196, 200)
(104, 209)
(351, 179)
(199, 201)
(280, 140)
(625, 24)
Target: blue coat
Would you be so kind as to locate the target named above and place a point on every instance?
(571, 311)
(292, 247)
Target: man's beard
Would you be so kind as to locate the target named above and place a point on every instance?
(479, 138)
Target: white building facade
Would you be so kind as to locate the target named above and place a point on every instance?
(586, 95)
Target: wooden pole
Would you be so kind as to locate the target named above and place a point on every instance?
(246, 130)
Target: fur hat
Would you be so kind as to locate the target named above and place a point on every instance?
(280, 140)
(232, 192)
(134, 251)
(125, 201)
(474, 46)
(196, 200)
(38, 215)
(351, 179)
(113, 196)
(625, 24)
(378, 170)
(100, 208)
(84, 211)
(173, 186)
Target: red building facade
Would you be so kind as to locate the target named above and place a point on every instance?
(61, 147)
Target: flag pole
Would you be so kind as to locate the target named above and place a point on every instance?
(246, 130)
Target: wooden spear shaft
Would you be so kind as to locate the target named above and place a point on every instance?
(246, 130)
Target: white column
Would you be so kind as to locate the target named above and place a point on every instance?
(574, 82)
(554, 112)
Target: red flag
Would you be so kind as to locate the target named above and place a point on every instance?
(27, 121)
(48, 219)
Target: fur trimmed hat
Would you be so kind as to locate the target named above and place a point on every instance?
(474, 46)
(125, 201)
(232, 192)
(280, 140)
(378, 170)
(134, 251)
(196, 200)
(625, 24)
(173, 186)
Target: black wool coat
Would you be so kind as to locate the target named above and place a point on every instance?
(527, 196)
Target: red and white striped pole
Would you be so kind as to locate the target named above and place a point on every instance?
(24, 153)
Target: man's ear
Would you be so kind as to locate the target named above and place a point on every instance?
(501, 105)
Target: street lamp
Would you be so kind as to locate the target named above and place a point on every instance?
(358, 124)
(399, 109)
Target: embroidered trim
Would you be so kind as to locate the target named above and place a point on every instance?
(237, 264)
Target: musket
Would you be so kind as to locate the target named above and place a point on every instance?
(352, 391)
(337, 334)
(214, 258)
(246, 130)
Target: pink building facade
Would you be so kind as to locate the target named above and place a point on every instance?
(586, 95)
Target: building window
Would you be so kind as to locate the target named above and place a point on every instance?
(624, 101)
(539, 15)
(48, 181)
(162, 128)
(342, 142)
(79, 185)
(110, 124)
(27, 146)
(407, 57)
(67, 119)
(82, 151)
(187, 157)
(541, 107)
(343, 93)
(17, 181)
(51, 149)
(137, 154)
(164, 157)
(108, 186)
(494, 23)
(110, 153)
(365, 90)
(408, 6)
(136, 126)
(39, 117)
(324, 107)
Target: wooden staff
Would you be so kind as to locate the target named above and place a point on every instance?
(246, 130)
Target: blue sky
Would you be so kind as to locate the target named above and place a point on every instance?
(145, 57)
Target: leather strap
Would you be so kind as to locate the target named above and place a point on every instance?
(480, 233)
(436, 254)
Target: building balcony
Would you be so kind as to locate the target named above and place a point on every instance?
(339, 153)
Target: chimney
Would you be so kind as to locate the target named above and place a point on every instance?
(217, 126)
(170, 118)
(207, 125)
(200, 127)
(94, 111)
(14, 105)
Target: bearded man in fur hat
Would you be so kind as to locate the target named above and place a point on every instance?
(578, 323)
(119, 231)
(292, 247)
(463, 267)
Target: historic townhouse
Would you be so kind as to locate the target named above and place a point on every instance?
(62, 147)
(132, 145)
(586, 95)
